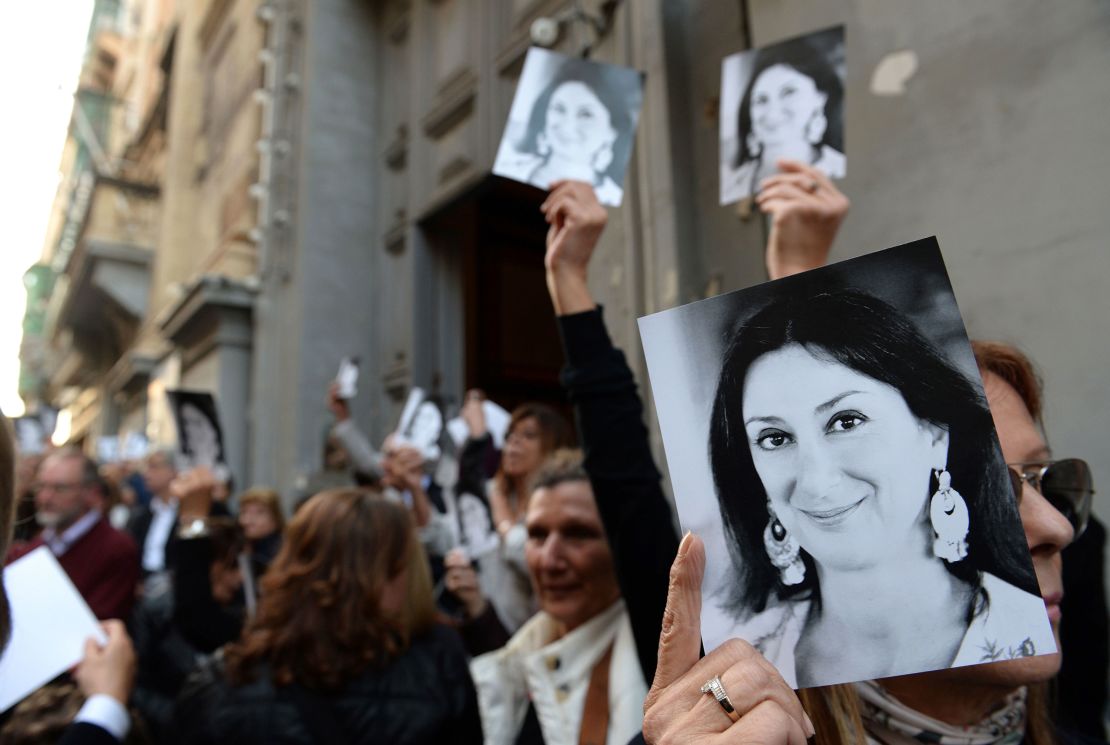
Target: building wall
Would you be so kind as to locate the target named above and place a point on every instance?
(996, 148)
(993, 147)
(318, 226)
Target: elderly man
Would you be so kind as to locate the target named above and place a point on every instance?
(571, 674)
(102, 562)
(154, 525)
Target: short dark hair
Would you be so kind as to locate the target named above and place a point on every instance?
(226, 539)
(90, 471)
(873, 338)
(806, 59)
(598, 78)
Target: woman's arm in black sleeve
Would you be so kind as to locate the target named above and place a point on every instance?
(472, 466)
(201, 620)
(626, 483)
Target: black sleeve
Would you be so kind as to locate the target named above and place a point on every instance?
(472, 466)
(1084, 635)
(464, 723)
(484, 633)
(626, 483)
(84, 733)
(194, 720)
(201, 620)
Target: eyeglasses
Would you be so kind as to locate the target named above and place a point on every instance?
(41, 486)
(1066, 484)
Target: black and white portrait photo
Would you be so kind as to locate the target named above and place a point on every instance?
(199, 437)
(828, 437)
(571, 119)
(785, 100)
(30, 435)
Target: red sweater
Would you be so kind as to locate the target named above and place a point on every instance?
(104, 566)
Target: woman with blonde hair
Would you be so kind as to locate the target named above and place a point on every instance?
(262, 521)
(344, 647)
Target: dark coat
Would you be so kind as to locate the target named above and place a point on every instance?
(424, 696)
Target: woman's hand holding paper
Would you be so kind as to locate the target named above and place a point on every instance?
(677, 711)
(108, 669)
(806, 210)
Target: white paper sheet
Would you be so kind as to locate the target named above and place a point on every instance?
(497, 424)
(50, 623)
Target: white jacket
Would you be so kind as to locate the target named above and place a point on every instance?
(556, 676)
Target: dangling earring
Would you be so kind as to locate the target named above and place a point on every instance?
(783, 551)
(816, 127)
(949, 516)
(603, 158)
(543, 147)
(755, 147)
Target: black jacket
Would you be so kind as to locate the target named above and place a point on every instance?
(424, 696)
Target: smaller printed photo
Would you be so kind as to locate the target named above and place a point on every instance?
(571, 118)
(829, 438)
(785, 100)
(200, 439)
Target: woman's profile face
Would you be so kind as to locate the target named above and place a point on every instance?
(846, 465)
(783, 103)
(577, 125)
(256, 520)
(523, 452)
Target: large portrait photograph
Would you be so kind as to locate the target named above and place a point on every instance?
(828, 437)
(571, 119)
(785, 100)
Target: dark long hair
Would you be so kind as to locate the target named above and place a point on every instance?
(320, 621)
(597, 78)
(806, 59)
(871, 337)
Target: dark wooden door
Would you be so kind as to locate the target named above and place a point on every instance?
(513, 351)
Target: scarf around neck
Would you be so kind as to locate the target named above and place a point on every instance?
(890, 722)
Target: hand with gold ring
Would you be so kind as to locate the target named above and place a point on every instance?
(806, 210)
(690, 699)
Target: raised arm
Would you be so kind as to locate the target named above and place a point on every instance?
(806, 210)
(609, 414)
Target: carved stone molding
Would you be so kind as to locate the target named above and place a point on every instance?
(452, 104)
(397, 27)
(397, 378)
(395, 238)
(511, 56)
(458, 165)
(396, 154)
(509, 60)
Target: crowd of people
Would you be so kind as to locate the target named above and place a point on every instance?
(534, 593)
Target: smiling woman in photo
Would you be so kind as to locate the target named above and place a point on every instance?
(870, 529)
(792, 108)
(579, 128)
